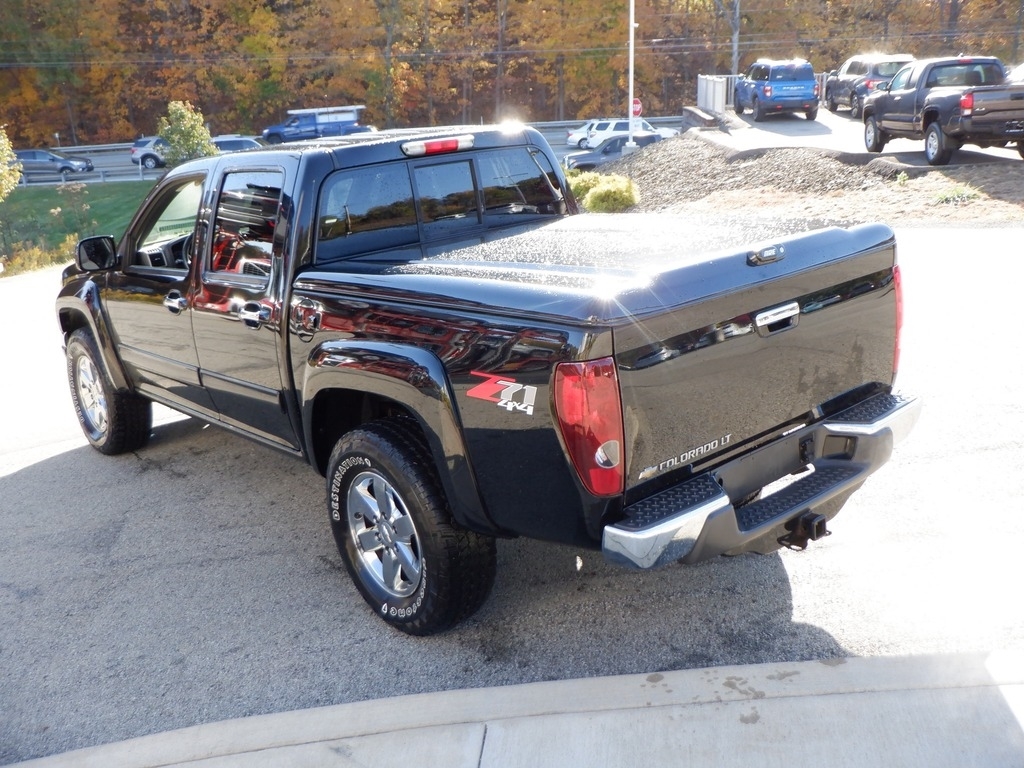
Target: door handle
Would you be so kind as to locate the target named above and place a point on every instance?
(175, 302)
(777, 319)
(254, 315)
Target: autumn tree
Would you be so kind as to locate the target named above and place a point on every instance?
(184, 130)
(10, 168)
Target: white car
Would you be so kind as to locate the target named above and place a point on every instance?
(604, 129)
(233, 142)
(578, 136)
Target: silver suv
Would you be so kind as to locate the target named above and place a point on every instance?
(52, 161)
(149, 152)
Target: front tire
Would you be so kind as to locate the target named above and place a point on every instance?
(830, 101)
(737, 105)
(114, 421)
(936, 148)
(1020, 149)
(874, 139)
(415, 568)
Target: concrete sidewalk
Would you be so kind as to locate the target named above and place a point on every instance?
(931, 711)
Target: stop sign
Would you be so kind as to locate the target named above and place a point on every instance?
(638, 108)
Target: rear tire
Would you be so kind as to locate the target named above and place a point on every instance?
(755, 106)
(874, 139)
(114, 421)
(812, 114)
(936, 147)
(856, 105)
(414, 567)
(1020, 149)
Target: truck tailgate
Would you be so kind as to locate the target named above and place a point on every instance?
(1001, 107)
(773, 336)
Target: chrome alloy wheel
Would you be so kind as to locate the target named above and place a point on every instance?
(384, 534)
(91, 395)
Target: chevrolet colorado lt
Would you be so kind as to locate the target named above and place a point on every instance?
(422, 316)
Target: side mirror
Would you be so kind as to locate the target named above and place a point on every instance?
(95, 254)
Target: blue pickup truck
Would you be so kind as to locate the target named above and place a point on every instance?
(317, 122)
(774, 87)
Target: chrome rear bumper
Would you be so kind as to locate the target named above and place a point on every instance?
(696, 520)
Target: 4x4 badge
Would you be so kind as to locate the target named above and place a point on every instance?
(505, 392)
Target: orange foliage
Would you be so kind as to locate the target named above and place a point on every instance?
(104, 71)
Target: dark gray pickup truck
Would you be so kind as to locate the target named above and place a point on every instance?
(948, 102)
(421, 317)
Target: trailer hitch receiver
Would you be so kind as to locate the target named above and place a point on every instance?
(804, 528)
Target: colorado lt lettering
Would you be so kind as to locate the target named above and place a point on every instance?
(687, 457)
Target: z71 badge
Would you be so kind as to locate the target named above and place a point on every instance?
(505, 392)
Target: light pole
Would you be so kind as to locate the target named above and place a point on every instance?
(630, 144)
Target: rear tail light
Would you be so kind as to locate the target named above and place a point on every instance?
(767, 91)
(589, 411)
(817, 89)
(897, 280)
(967, 104)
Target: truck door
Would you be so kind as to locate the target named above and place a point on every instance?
(237, 309)
(900, 102)
(148, 298)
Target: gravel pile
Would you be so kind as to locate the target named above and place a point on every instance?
(690, 175)
(687, 168)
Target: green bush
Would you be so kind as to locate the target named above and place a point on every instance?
(581, 182)
(611, 195)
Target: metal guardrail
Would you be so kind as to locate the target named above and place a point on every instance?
(32, 178)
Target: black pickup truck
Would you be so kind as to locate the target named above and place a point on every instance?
(948, 102)
(420, 316)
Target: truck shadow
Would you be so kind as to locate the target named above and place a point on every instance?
(196, 580)
(573, 611)
(784, 124)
